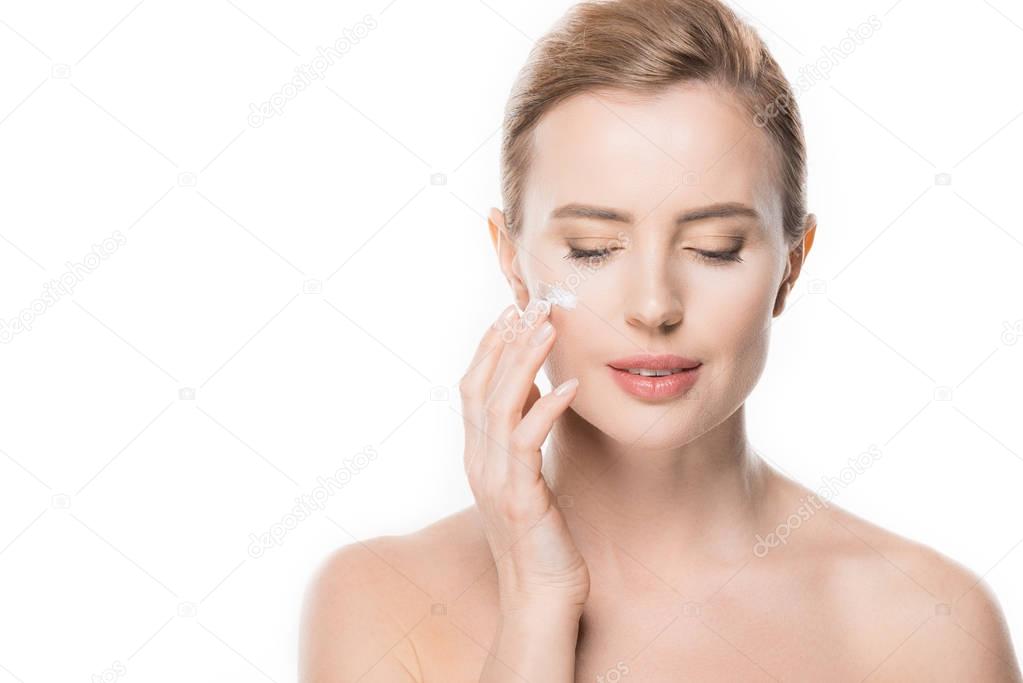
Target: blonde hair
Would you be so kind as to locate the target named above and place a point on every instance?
(642, 46)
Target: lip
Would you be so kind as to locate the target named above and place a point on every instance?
(664, 361)
(655, 388)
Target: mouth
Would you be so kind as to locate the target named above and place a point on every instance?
(665, 362)
(655, 373)
(655, 377)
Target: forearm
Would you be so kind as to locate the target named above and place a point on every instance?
(535, 646)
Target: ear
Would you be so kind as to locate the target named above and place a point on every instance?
(795, 263)
(508, 257)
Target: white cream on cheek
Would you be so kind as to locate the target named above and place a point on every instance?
(555, 295)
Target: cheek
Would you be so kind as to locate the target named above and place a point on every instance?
(587, 279)
(574, 352)
(731, 302)
(728, 316)
(732, 322)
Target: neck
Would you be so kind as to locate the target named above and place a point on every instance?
(677, 509)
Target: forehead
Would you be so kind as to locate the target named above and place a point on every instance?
(620, 149)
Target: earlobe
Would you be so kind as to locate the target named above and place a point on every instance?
(799, 254)
(779, 301)
(785, 287)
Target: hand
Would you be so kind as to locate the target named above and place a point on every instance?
(539, 566)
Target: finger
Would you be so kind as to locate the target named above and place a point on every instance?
(534, 395)
(505, 408)
(538, 422)
(474, 384)
(518, 328)
(477, 378)
(525, 459)
(496, 332)
(517, 368)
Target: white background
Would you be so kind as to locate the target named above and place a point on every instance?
(127, 512)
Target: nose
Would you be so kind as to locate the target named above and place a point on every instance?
(652, 301)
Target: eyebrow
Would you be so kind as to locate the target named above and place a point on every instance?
(719, 210)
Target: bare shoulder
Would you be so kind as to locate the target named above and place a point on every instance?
(366, 610)
(920, 614)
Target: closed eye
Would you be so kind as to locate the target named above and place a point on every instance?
(718, 256)
(715, 257)
(574, 253)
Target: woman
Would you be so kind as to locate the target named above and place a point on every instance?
(654, 225)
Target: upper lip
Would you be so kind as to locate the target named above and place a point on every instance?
(653, 362)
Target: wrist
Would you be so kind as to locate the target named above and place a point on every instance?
(533, 638)
(536, 641)
(556, 614)
(542, 601)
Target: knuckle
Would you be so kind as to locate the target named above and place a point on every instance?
(508, 336)
(467, 386)
(519, 442)
(494, 409)
(515, 331)
(515, 508)
(507, 332)
(472, 473)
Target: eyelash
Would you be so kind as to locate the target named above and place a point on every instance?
(714, 257)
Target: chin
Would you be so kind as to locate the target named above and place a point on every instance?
(653, 426)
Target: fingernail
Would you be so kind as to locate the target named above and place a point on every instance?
(542, 333)
(566, 386)
(504, 318)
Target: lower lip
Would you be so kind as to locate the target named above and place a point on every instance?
(655, 388)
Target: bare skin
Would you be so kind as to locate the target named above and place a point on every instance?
(629, 550)
(827, 606)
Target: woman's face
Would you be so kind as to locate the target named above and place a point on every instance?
(705, 288)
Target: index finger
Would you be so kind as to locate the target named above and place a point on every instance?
(473, 386)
